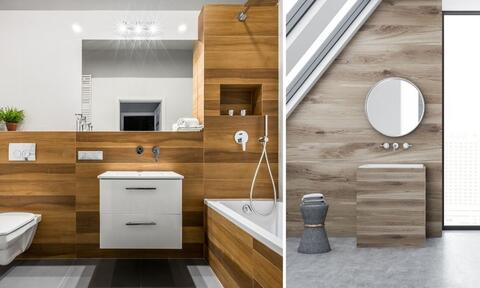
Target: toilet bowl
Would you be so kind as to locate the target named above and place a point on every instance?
(17, 230)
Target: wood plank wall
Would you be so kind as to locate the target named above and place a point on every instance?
(238, 259)
(66, 191)
(238, 53)
(328, 136)
(46, 186)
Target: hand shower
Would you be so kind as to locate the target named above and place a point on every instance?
(264, 141)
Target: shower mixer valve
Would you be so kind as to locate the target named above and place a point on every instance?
(241, 137)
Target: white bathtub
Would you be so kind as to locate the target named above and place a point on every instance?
(266, 229)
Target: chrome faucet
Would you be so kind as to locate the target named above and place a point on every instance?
(156, 153)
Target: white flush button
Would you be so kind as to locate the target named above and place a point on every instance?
(21, 152)
(90, 155)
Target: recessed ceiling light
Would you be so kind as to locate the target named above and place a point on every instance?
(122, 28)
(138, 29)
(182, 28)
(76, 28)
(153, 29)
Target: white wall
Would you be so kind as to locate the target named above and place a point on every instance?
(149, 63)
(174, 93)
(40, 57)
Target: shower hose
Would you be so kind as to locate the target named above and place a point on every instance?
(264, 141)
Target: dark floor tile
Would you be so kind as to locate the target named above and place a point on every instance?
(157, 273)
(117, 273)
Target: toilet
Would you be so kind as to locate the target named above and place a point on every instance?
(17, 230)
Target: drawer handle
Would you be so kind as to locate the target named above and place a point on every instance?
(141, 188)
(140, 223)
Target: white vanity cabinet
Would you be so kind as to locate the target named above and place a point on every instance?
(140, 210)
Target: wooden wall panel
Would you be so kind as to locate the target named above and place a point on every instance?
(179, 152)
(238, 259)
(46, 186)
(328, 136)
(66, 191)
(239, 53)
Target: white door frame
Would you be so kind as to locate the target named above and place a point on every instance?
(117, 114)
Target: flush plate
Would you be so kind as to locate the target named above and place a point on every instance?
(22, 152)
(90, 155)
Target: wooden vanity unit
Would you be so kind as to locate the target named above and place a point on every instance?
(391, 205)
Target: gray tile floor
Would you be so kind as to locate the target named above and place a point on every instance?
(452, 261)
(107, 273)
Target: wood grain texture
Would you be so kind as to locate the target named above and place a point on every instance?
(66, 191)
(391, 207)
(46, 187)
(238, 259)
(328, 135)
(238, 55)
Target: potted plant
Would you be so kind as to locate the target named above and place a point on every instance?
(11, 116)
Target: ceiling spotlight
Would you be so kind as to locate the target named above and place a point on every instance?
(138, 29)
(76, 28)
(182, 28)
(153, 29)
(122, 28)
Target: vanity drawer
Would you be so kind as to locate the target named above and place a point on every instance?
(140, 231)
(141, 196)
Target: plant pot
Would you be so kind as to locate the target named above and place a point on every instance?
(12, 126)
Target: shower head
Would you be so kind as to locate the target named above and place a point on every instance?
(264, 139)
(266, 125)
(242, 16)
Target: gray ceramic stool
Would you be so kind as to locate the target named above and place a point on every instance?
(314, 239)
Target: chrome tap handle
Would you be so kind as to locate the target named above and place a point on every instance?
(395, 146)
(156, 153)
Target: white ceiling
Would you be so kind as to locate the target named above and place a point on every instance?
(110, 4)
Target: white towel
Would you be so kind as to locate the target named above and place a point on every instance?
(188, 122)
(175, 127)
(313, 198)
(313, 195)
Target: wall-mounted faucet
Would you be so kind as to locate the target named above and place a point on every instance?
(395, 146)
(81, 123)
(156, 153)
(241, 137)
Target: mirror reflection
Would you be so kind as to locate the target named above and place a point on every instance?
(395, 107)
(135, 85)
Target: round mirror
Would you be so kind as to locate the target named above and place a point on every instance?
(395, 107)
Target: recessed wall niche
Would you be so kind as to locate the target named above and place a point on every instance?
(239, 97)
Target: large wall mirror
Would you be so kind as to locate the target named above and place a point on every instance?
(395, 107)
(136, 85)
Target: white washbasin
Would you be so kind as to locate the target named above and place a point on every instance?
(396, 166)
(140, 175)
